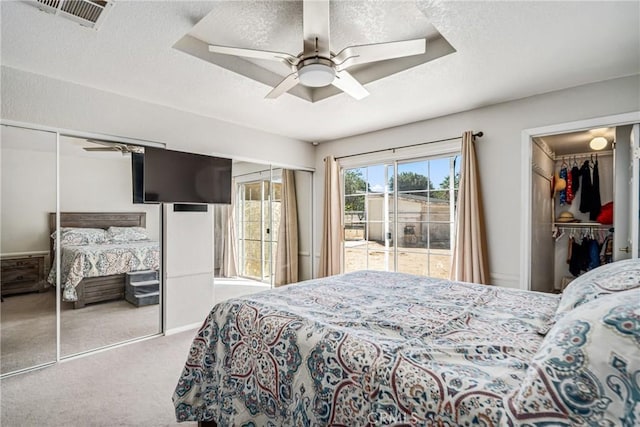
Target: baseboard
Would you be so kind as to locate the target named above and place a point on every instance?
(184, 328)
(505, 280)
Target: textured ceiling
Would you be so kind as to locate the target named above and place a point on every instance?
(277, 27)
(504, 50)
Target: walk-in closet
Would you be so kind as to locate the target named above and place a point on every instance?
(580, 204)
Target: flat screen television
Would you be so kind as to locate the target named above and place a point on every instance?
(137, 175)
(178, 177)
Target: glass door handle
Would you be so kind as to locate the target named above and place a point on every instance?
(627, 250)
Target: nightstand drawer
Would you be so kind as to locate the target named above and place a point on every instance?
(19, 264)
(17, 275)
(22, 274)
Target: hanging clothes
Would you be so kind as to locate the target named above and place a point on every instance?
(575, 178)
(580, 257)
(594, 254)
(574, 261)
(595, 202)
(606, 253)
(569, 189)
(570, 249)
(587, 191)
(563, 192)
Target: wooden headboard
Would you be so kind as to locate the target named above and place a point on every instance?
(95, 220)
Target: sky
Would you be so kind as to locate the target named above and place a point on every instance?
(435, 169)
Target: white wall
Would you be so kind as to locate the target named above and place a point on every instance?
(102, 183)
(499, 153)
(34, 98)
(28, 192)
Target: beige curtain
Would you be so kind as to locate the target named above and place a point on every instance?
(330, 252)
(469, 262)
(229, 266)
(287, 252)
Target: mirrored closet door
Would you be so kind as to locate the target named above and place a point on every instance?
(28, 195)
(110, 246)
(106, 288)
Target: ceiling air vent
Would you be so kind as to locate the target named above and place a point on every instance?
(89, 13)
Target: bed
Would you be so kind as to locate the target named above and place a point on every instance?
(376, 348)
(94, 270)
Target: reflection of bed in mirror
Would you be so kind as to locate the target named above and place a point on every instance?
(96, 271)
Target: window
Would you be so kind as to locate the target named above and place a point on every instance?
(404, 225)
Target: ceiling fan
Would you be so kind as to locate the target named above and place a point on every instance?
(113, 146)
(317, 65)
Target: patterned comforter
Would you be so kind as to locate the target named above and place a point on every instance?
(80, 261)
(364, 348)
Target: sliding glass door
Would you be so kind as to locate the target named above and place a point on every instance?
(403, 224)
(368, 218)
(258, 220)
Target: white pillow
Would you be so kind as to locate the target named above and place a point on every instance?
(127, 234)
(604, 280)
(81, 236)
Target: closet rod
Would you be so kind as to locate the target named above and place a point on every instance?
(393, 149)
(583, 155)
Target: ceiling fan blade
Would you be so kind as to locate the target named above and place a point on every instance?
(254, 53)
(363, 54)
(349, 85)
(290, 81)
(315, 26)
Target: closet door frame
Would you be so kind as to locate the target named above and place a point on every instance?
(527, 136)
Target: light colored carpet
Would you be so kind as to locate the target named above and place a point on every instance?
(127, 386)
(27, 327)
(27, 330)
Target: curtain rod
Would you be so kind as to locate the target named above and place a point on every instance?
(478, 134)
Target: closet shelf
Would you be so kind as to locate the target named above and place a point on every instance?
(582, 225)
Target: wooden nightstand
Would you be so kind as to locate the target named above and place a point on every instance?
(22, 274)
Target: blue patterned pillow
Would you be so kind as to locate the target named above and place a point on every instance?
(587, 369)
(81, 236)
(604, 280)
(127, 234)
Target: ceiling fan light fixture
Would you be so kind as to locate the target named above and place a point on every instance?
(316, 75)
(598, 143)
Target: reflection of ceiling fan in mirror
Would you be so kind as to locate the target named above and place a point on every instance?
(317, 65)
(113, 146)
